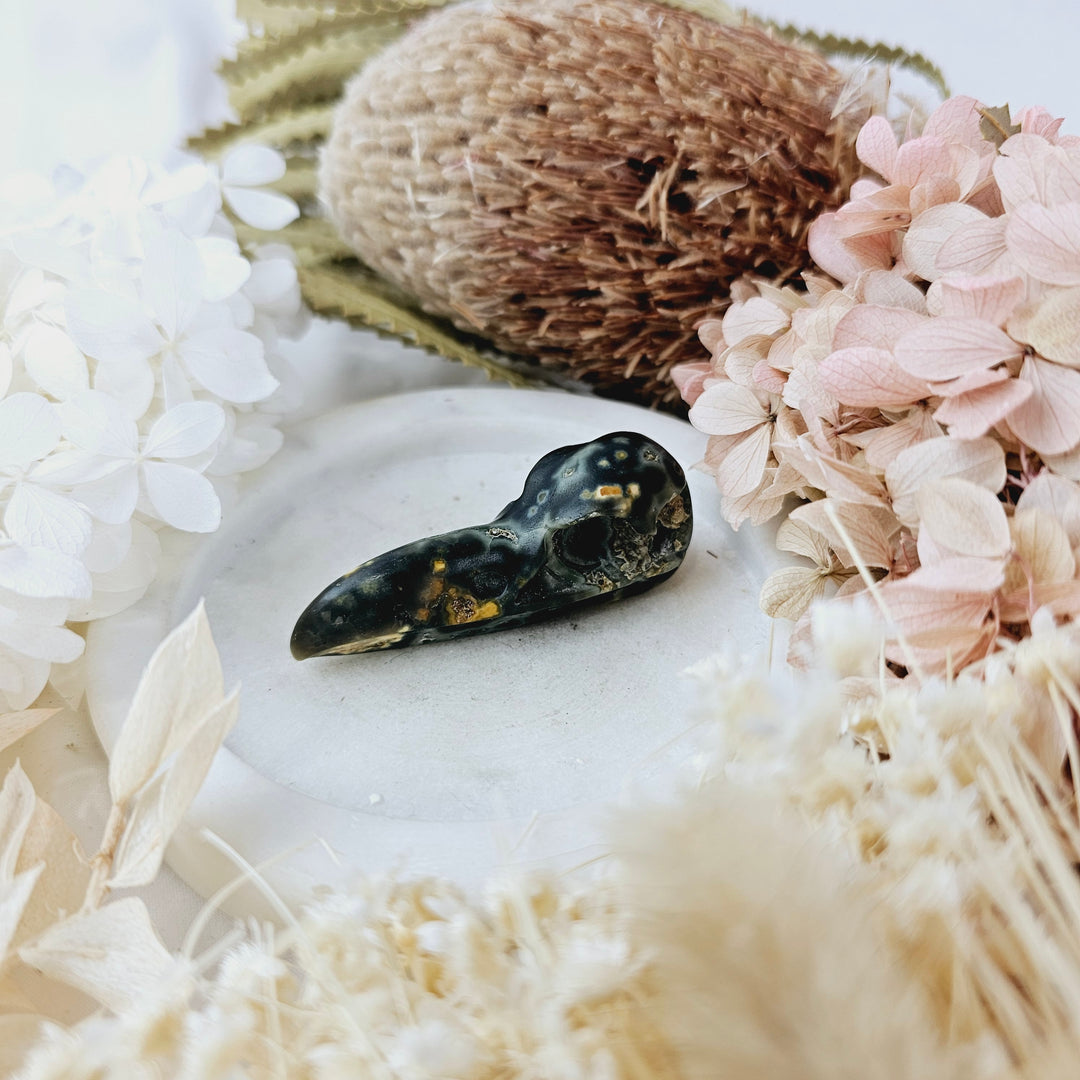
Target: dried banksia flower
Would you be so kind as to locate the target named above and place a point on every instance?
(579, 181)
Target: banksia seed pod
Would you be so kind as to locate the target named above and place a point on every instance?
(580, 181)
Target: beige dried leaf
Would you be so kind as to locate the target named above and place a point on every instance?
(789, 591)
(16, 809)
(182, 682)
(963, 518)
(14, 725)
(62, 886)
(981, 461)
(159, 807)
(111, 953)
(14, 896)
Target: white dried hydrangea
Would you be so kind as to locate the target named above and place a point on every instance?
(138, 367)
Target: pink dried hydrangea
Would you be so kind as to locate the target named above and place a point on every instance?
(925, 396)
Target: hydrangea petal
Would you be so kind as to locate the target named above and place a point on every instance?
(54, 363)
(108, 547)
(867, 377)
(7, 368)
(252, 165)
(726, 408)
(128, 384)
(40, 518)
(111, 498)
(1052, 326)
(39, 572)
(181, 497)
(975, 412)
(172, 280)
(229, 363)
(267, 210)
(753, 318)
(957, 120)
(974, 247)
(963, 518)
(110, 327)
(930, 232)
(1049, 421)
(992, 299)
(945, 347)
(982, 461)
(874, 326)
(273, 281)
(225, 270)
(185, 430)
(876, 146)
(97, 424)
(743, 467)
(1045, 241)
(844, 259)
(29, 429)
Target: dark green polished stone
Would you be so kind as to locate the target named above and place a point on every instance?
(601, 520)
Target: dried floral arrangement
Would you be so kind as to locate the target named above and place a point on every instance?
(858, 872)
(138, 376)
(854, 875)
(469, 229)
(924, 397)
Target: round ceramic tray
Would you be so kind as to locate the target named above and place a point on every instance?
(445, 758)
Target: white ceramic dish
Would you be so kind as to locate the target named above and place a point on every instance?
(444, 758)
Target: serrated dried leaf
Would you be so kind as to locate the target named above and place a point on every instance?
(17, 800)
(996, 124)
(14, 725)
(113, 954)
(333, 291)
(789, 591)
(180, 685)
(982, 461)
(311, 68)
(62, 886)
(284, 128)
(159, 807)
(963, 518)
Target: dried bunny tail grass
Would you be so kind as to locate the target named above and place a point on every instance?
(765, 952)
(582, 181)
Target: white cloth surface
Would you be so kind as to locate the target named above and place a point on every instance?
(82, 80)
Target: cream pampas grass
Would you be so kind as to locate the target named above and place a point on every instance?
(582, 181)
(766, 947)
